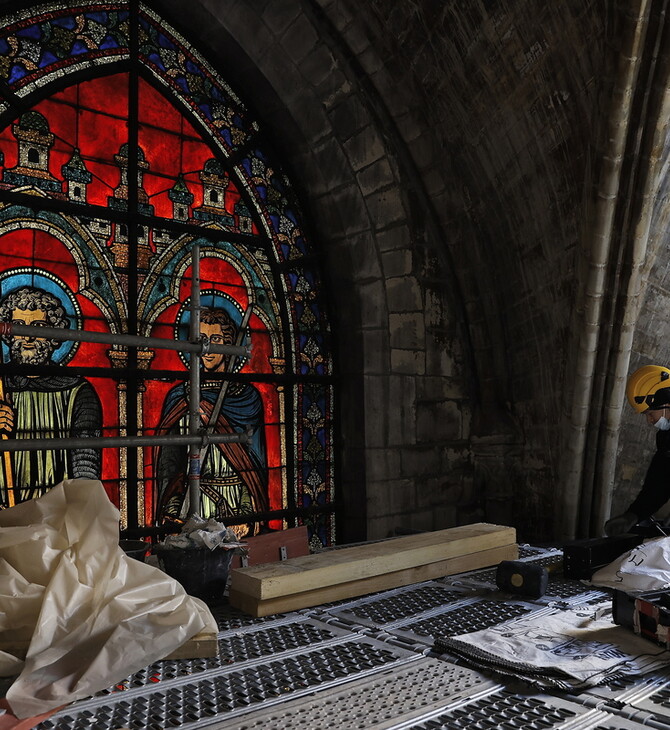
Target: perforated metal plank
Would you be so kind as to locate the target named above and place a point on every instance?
(235, 647)
(607, 721)
(381, 701)
(189, 701)
(615, 715)
(462, 619)
(393, 607)
(404, 595)
(651, 694)
(570, 591)
(508, 710)
(559, 589)
(232, 619)
(487, 576)
(533, 551)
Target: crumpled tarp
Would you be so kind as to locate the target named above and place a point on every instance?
(76, 613)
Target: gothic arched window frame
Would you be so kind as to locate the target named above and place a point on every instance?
(68, 43)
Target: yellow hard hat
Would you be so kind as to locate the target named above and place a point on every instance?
(647, 386)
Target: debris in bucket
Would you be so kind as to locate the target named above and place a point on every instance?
(198, 532)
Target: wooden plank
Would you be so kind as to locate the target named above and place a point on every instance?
(267, 548)
(366, 561)
(202, 645)
(341, 591)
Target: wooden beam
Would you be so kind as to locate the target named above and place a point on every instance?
(342, 591)
(362, 562)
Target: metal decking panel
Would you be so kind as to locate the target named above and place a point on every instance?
(190, 701)
(381, 701)
(369, 662)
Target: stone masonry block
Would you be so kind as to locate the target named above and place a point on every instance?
(385, 208)
(408, 362)
(433, 388)
(370, 61)
(333, 89)
(419, 462)
(404, 294)
(423, 520)
(248, 29)
(390, 497)
(375, 406)
(364, 148)
(423, 150)
(392, 239)
(438, 422)
(363, 257)
(444, 516)
(396, 263)
(300, 38)
(356, 38)
(279, 14)
(401, 410)
(439, 361)
(408, 126)
(337, 13)
(387, 86)
(317, 65)
(351, 206)
(375, 351)
(382, 464)
(311, 117)
(332, 163)
(446, 489)
(349, 117)
(433, 180)
(380, 527)
(329, 216)
(372, 304)
(353, 259)
(281, 72)
(376, 177)
(407, 331)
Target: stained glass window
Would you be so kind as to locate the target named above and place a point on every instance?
(121, 149)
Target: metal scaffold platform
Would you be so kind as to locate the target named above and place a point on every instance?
(373, 662)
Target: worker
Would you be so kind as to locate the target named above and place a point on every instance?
(648, 392)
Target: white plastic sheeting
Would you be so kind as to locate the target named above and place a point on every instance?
(644, 568)
(77, 614)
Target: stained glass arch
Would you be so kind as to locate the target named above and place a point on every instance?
(122, 149)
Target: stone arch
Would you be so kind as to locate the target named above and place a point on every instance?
(395, 318)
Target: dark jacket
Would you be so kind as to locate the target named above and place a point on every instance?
(655, 491)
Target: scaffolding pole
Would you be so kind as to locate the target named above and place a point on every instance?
(197, 439)
(110, 338)
(102, 442)
(194, 389)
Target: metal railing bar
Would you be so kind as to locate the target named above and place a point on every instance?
(111, 338)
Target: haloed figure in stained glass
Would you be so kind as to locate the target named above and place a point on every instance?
(43, 406)
(233, 476)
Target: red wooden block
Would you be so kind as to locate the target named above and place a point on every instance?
(274, 546)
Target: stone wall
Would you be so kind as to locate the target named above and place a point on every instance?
(445, 154)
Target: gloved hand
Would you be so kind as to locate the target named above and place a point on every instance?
(620, 524)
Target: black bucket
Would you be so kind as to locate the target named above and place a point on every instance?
(137, 549)
(202, 572)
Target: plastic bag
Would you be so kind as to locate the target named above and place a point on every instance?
(76, 613)
(644, 568)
